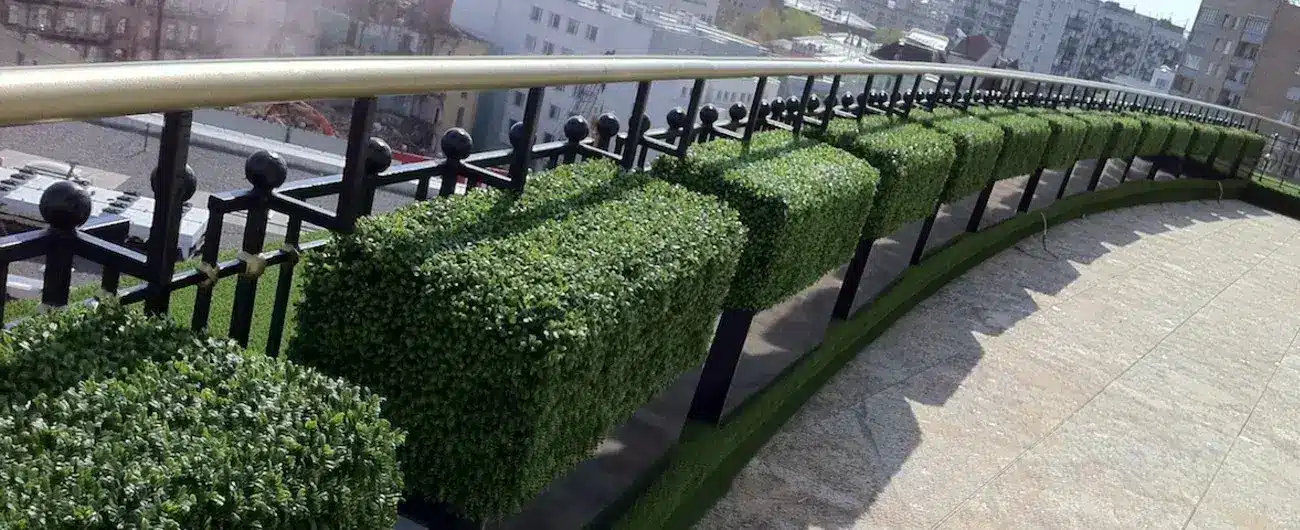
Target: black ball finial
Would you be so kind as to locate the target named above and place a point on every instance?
(457, 144)
(863, 98)
(645, 123)
(65, 205)
(517, 136)
(266, 170)
(379, 155)
(814, 103)
(846, 101)
(576, 129)
(737, 111)
(793, 106)
(708, 115)
(676, 118)
(763, 110)
(186, 183)
(607, 125)
(778, 107)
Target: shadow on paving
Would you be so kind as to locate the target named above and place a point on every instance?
(783, 334)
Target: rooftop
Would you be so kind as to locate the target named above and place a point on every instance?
(676, 21)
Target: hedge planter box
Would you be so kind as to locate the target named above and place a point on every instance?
(112, 420)
(914, 164)
(1205, 139)
(510, 331)
(978, 144)
(1125, 136)
(1100, 129)
(1024, 142)
(1068, 134)
(803, 202)
(1155, 133)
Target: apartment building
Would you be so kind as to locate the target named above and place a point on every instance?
(1091, 39)
(1243, 53)
(991, 18)
(928, 15)
(582, 27)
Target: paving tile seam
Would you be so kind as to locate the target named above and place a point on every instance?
(1020, 456)
(1255, 407)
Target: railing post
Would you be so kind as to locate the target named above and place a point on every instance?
(752, 123)
(918, 252)
(829, 113)
(164, 232)
(910, 98)
(634, 129)
(65, 205)
(710, 400)
(352, 188)
(521, 140)
(692, 109)
(1065, 182)
(797, 113)
(1027, 197)
(852, 279)
(981, 203)
(265, 171)
(893, 94)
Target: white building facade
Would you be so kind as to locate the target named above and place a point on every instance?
(568, 27)
(1091, 39)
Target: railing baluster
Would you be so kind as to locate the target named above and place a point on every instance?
(265, 171)
(164, 232)
(981, 204)
(893, 94)
(956, 90)
(752, 124)
(65, 206)
(710, 399)
(692, 109)
(922, 239)
(829, 113)
(283, 288)
(852, 280)
(798, 113)
(634, 125)
(910, 99)
(522, 139)
(208, 264)
(1027, 196)
(352, 187)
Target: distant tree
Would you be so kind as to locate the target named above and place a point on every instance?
(771, 24)
(888, 35)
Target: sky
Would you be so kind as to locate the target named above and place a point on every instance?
(1181, 12)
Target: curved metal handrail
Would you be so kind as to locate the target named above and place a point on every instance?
(35, 94)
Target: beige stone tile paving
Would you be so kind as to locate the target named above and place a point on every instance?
(1140, 371)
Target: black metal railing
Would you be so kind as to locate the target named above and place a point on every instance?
(368, 167)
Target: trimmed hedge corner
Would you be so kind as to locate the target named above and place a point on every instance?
(1068, 134)
(1180, 138)
(1024, 143)
(115, 420)
(1252, 151)
(978, 145)
(1125, 136)
(1205, 139)
(914, 164)
(802, 201)
(509, 332)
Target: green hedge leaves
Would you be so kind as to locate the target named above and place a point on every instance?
(509, 332)
(1024, 143)
(113, 420)
(978, 144)
(803, 202)
(1068, 134)
(914, 164)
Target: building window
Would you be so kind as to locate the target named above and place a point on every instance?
(548, 48)
(17, 15)
(146, 29)
(194, 33)
(555, 20)
(1209, 14)
(1293, 93)
(553, 112)
(1192, 61)
(169, 31)
(96, 23)
(530, 43)
(536, 14)
(1256, 25)
(519, 99)
(572, 28)
(592, 33)
(460, 117)
(69, 20)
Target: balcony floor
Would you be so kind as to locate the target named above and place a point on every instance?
(1140, 370)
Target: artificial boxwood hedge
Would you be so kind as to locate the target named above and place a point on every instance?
(1205, 139)
(803, 202)
(1180, 137)
(1126, 133)
(1100, 129)
(1067, 137)
(1155, 133)
(510, 331)
(978, 145)
(1024, 142)
(914, 164)
(114, 420)
(1252, 150)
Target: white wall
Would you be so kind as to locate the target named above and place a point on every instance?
(1037, 32)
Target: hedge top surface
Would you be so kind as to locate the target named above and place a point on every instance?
(804, 204)
(211, 437)
(978, 143)
(1155, 133)
(1126, 135)
(518, 328)
(914, 164)
(1024, 143)
(1100, 129)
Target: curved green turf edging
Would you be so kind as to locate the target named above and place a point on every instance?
(699, 469)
